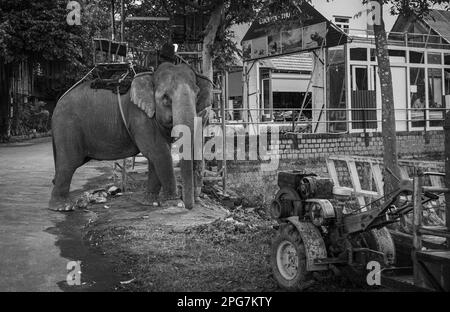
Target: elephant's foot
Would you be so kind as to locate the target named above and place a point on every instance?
(61, 205)
(197, 194)
(172, 201)
(150, 199)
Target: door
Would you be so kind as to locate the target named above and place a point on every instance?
(364, 104)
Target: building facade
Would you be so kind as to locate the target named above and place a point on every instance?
(283, 89)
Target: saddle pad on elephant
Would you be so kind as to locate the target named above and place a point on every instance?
(111, 76)
(112, 84)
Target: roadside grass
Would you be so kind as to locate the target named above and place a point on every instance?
(216, 257)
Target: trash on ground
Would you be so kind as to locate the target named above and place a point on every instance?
(127, 282)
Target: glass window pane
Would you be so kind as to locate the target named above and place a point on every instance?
(434, 58)
(398, 56)
(416, 57)
(417, 90)
(337, 99)
(373, 55)
(358, 54)
(436, 111)
(447, 59)
(266, 96)
(447, 87)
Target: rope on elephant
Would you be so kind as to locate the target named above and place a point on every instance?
(119, 100)
(76, 84)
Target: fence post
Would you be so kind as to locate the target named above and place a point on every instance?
(447, 171)
(446, 270)
(417, 223)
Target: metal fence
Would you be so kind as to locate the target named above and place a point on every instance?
(403, 39)
(332, 120)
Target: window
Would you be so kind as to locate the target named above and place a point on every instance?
(416, 57)
(447, 87)
(364, 113)
(358, 54)
(343, 22)
(436, 111)
(373, 55)
(418, 102)
(266, 96)
(397, 56)
(434, 58)
(446, 59)
(337, 114)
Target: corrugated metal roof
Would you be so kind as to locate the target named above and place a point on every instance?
(439, 21)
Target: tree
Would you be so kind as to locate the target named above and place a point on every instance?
(221, 14)
(418, 8)
(37, 31)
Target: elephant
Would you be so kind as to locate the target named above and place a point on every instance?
(94, 124)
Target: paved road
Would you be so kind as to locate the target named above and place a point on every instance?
(35, 243)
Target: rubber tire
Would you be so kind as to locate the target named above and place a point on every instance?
(381, 240)
(303, 279)
(378, 240)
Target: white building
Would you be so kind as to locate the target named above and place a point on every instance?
(420, 56)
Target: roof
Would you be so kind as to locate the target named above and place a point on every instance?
(239, 31)
(439, 21)
(293, 62)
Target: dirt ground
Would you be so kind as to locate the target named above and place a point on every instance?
(211, 248)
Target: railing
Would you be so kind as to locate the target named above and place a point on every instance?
(402, 39)
(333, 120)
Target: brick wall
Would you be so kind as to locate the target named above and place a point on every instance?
(308, 152)
(305, 146)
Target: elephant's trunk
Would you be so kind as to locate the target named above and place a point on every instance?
(183, 106)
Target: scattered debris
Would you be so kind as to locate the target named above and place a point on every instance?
(128, 282)
(99, 196)
(114, 190)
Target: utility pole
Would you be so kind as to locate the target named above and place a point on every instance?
(113, 24)
(122, 21)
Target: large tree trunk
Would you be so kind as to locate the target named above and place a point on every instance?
(210, 35)
(387, 98)
(5, 76)
(207, 69)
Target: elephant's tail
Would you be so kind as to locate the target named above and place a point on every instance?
(54, 155)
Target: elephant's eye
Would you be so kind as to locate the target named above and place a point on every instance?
(166, 100)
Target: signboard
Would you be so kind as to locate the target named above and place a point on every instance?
(287, 26)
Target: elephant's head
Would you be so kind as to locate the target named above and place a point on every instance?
(170, 96)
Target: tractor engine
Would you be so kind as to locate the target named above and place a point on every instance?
(304, 195)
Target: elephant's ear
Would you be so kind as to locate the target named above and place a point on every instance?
(142, 93)
(204, 96)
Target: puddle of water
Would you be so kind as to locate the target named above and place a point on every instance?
(97, 273)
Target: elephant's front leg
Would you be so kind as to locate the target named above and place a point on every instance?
(163, 167)
(153, 186)
(198, 178)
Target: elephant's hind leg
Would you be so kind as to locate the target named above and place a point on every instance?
(65, 166)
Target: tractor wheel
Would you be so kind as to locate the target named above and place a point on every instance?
(380, 240)
(288, 260)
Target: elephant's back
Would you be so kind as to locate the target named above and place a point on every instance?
(94, 113)
(87, 98)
